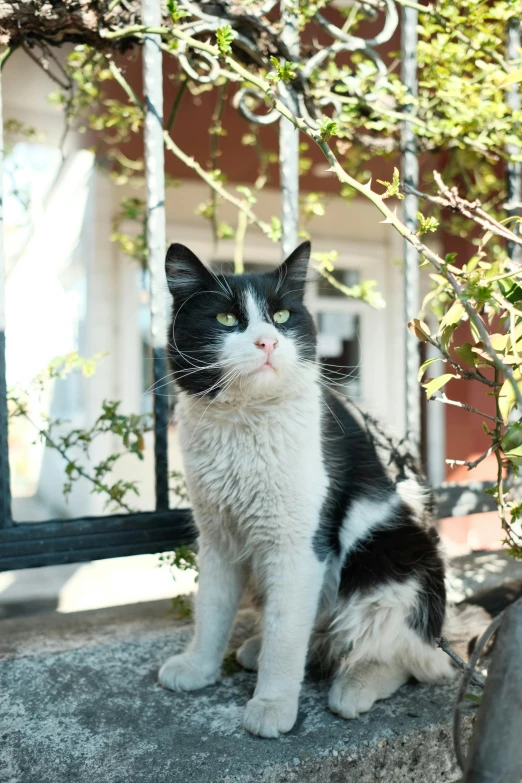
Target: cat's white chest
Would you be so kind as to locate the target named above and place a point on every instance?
(254, 474)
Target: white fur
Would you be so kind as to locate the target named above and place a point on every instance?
(414, 495)
(375, 626)
(356, 690)
(254, 467)
(256, 514)
(365, 516)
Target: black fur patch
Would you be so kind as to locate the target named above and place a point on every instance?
(394, 554)
(195, 336)
(353, 468)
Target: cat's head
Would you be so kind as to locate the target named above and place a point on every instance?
(246, 336)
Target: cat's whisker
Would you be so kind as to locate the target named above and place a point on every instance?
(222, 283)
(195, 293)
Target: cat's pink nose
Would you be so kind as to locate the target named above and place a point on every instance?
(267, 344)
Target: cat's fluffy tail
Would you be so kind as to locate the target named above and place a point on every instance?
(463, 626)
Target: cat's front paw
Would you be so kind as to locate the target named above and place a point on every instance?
(270, 717)
(186, 672)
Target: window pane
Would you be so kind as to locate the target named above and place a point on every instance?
(339, 351)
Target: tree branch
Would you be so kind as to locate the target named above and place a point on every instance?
(471, 465)
(83, 473)
(206, 176)
(446, 400)
(476, 679)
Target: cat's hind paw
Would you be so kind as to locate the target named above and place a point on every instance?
(248, 654)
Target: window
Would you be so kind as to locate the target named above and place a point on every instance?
(339, 351)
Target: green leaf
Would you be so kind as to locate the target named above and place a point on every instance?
(426, 223)
(512, 438)
(510, 290)
(447, 334)
(437, 383)
(276, 229)
(513, 78)
(328, 129)
(224, 38)
(426, 364)
(465, 353)
(453, 316)
(499, 341)
(506, 397)
(175, 13)
(393, 187)
(514, 456)
(284, 71)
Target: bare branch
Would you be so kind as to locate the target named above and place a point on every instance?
(476, 679)
(471, 465)
(446, 400)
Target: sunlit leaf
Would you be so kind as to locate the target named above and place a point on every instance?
(437, 383)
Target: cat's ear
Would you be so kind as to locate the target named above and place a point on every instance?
(184, 271)
(295, 269)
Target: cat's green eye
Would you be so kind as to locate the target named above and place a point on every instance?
(281, 317)
(227, 319)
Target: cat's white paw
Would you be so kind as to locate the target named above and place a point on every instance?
(356, 691)
(270, 717)
(186, 672)
(349, 698)
(248, 654)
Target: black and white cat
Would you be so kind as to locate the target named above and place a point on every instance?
(301, 493)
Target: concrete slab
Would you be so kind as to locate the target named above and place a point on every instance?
(82, 704)
(79, 702)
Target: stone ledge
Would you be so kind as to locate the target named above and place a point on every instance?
(93, 713)
(79, 702)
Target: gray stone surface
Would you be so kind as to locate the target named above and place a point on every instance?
(79, 702)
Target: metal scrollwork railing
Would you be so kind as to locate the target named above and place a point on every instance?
(207, 17)
(258, 37)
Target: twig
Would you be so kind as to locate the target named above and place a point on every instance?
(176, 104)
(6, 54)
(44, 65)
(476, 679)
(98, 484)
(468, 374)
(471, 465)
(171, 145)
(446, 400)
(450, 199)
